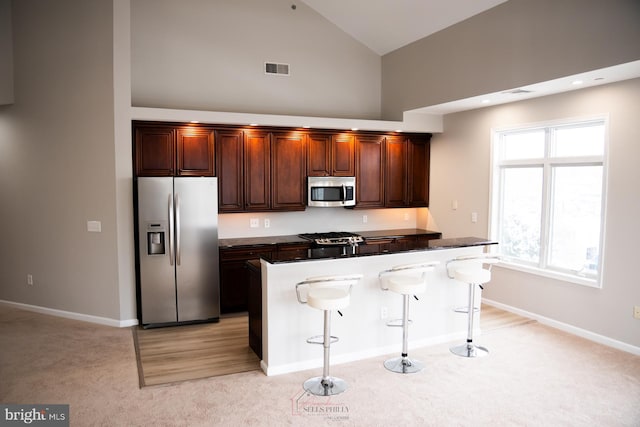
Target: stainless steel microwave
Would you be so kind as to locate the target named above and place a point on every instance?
(331, 191)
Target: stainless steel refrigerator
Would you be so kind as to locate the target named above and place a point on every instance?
(177, 250)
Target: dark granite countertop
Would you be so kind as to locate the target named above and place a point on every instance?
(242, 242)
(334, 252)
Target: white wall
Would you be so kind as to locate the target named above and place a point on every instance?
(460, 167)
(314, 220)
(209, 55)
(57, 160)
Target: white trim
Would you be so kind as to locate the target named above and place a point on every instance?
(71, 315)
(583, 333)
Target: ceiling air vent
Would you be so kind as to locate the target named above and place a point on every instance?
(276, 69)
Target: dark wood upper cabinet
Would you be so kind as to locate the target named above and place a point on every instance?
(288, 170)
(331, 154)
(230, 167)
(154, 150)
(257, 170)
(369, 171)
(342, 154)
(195, 151)
(165, 150)
(319, 154)
(396, 172)
(418, 173)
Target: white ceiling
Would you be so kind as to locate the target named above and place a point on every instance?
(386, 25)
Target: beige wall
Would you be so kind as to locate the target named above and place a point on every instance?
(515, 44)
(209, 55)
(57, 160)
(460, 169)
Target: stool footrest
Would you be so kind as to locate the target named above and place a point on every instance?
(465, 309)
(397, 323)
(319, 339)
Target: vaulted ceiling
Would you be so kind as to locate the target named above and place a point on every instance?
(386, 25)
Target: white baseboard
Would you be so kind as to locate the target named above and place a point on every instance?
(591, 336)
(360, 355)
(71, 315)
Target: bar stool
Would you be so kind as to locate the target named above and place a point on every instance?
(470, 269)
(404, 280)
(326, 293)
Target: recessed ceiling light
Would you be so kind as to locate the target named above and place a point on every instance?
(486, 101)
(398, 130)
(194, 121)
(306, 127)
(354, 128)
(253, 124)
(576, 82)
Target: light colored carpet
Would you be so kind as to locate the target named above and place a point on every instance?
(534, 376)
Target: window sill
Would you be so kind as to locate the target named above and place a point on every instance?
(584, 281)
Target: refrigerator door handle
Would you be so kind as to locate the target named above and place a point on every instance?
(170, 229)
(177, 229)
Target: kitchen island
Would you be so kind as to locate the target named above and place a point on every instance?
(286, 324)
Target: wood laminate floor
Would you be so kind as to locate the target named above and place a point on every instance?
(181, 353)
(189, 352)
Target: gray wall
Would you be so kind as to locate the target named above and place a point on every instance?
(460, 169)
(209, 55)
(6, 54)
(57, 160)
(515, 44)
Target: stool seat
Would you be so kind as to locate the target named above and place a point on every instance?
(476, 275)
(328, 298)
(407, 285)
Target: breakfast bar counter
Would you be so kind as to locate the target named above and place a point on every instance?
(362, 332)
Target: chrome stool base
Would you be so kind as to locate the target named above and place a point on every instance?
(403, 365)
(469, 350)
(321, 387)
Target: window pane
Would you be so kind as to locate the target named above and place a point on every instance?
(575, 218)
(523, 145)
(583, 140)
(521, 213)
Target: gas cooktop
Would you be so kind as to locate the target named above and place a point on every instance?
(333, 238)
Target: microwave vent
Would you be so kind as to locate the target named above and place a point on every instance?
(274, 68)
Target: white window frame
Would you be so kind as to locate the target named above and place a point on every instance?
(547, 163)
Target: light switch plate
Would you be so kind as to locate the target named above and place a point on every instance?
(94, 226)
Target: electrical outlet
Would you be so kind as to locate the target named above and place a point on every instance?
(474, 216)
(254, 222)
(636, 312)
(365, 219)
(384, 312)
(267, 223)
(29, 279)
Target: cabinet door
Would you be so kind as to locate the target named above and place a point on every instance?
(369, 171)
(154, 151)
(230, 148)
(419, 171)
(195, 152)
(257, 171)
(234, 278)
(288, 169)
(342, 155)
(395, 188)
(319, 154)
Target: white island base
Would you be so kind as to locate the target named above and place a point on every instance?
(362, 333)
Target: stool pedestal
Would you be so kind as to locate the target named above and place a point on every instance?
(325, 385)
(402, 364)
(469, 349)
